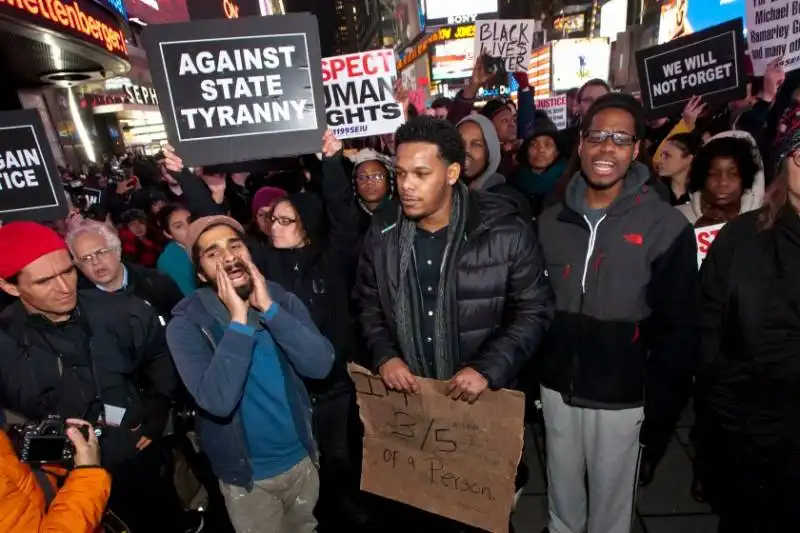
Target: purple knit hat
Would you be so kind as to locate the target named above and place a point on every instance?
(266, 196)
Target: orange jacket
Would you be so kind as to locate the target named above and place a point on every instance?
(77, 508)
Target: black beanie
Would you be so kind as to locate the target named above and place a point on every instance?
(310, 211)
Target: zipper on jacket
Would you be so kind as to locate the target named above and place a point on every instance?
(589, 252)
(587, 259)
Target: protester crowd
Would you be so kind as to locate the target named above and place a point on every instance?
(203, 318)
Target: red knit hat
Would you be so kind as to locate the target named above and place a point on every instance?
(22, 243)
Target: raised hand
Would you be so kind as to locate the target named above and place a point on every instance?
(331, 145)
(236, 306)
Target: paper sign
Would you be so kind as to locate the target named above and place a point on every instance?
(359, 94)
(30, 185)
(556, 109)
(708, 63)
(239, 90)
(705, 236)
(773, 30)
(447, 457)
(511, 40)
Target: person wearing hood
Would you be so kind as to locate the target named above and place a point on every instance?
(373, 182)
(541, 164)
(622, 345)
(726, 179)
(483, 160)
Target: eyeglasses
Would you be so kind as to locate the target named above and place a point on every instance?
(283, 221)
(364, 178)
(102, 253)
(617, 137)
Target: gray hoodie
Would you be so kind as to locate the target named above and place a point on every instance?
(489, 177)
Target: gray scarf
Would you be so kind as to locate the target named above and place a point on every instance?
(408, 304)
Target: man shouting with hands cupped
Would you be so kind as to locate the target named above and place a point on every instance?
(241, 345)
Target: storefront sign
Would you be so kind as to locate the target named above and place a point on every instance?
(141, 95)
(83, 20)
(238, 90)
(30, 185)
(707, 63)
(452, 459)
(465, 31)
(359, 98)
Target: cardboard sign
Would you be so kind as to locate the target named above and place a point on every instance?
(30, 184)
(705, 236)
(359, 94)
(447, 457)
(511, 40)
(708, 63)
(239, 90)
(556, 109)
(773, 31)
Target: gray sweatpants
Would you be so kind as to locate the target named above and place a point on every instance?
(601, 443)
(282, 504)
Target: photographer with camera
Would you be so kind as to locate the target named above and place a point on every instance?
(76, 508)
(89, 355)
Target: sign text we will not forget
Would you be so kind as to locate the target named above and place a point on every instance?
(692, 72)
(237, 86)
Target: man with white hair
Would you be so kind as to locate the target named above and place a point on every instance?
(97, 251)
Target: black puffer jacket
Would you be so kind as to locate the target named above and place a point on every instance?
(504, 300)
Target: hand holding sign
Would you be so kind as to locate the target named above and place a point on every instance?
(171, 160)
(331, 145)
(694, 108)
(402, 96)
(398, 377)
(467, 385)
(773, 79)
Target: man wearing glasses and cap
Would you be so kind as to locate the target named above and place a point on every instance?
(623, 265)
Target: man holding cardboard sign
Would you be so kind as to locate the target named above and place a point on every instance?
(423, 311)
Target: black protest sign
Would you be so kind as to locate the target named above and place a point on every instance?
(238, 90)
(708, 63)
(30, 185)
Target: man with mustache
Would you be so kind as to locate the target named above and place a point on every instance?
(241, 345)
(452, 287)
(623, 265)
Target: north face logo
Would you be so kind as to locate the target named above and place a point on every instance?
(634, 238)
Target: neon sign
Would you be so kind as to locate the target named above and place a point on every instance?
(86, 21)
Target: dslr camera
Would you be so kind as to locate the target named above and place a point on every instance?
(43, 442)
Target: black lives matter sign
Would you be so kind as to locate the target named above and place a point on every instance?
(708, 63)
(30, 186)
(239, 90)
